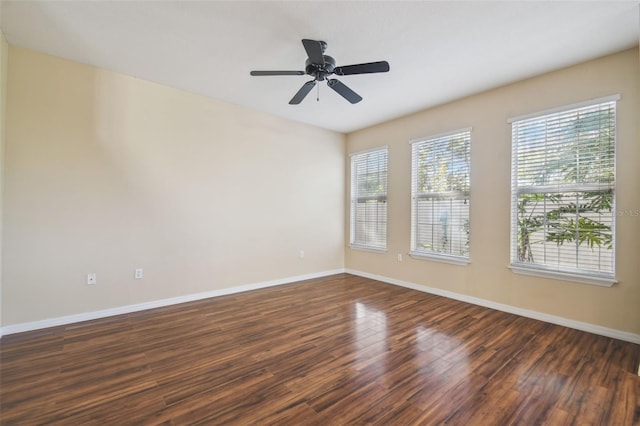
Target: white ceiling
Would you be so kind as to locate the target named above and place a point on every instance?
(438, 51)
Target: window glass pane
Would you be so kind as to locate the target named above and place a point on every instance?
(569, 231)
(442, 226)
(571, 147)
(370, 223)
(563, 172)
(369, 199)
(440, 194)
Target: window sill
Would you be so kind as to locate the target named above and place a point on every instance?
(369, 249)
(454, 260)
(564, 276)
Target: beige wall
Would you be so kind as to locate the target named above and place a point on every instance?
(106, 173)
(4, 57)
(488, 276)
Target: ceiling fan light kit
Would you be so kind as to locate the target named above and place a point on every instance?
(320, 66)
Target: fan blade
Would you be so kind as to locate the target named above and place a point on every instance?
(344, 91)
(277, 73)
(368, 68)
(304, 90)
(314, 51)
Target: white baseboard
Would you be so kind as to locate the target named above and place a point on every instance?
(553, 319)
(69, 319)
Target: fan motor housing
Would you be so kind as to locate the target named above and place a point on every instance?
(318, 70)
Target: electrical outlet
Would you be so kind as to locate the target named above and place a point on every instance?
(301, 254)
(138, 274)
(399, 257)
(91, 279)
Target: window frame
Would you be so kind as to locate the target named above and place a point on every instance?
(416, 253)
(580, 275)
(355, 197)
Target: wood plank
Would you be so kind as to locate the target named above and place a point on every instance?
(334, 350)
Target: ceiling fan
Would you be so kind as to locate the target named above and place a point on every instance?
(320, 66)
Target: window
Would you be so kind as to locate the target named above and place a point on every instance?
(440, 197)
(369, 199)
(562, 193)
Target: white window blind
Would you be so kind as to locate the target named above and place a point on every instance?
(563, 187)
(369, 199)
(440, 196)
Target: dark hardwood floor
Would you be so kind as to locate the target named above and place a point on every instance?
(340, 350)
